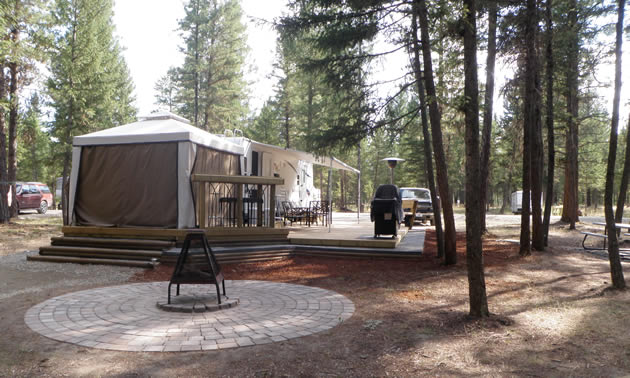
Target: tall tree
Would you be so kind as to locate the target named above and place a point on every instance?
(166, 88)
(23, 44)
(34, 148)
(623, 185)
(549, 120)
(450, 248)
(211, 85)
(616, 271)
(89, 86)
(537, 151)
(474, 248)
(426, 136)
(4, 178)
(570, 198)
(487, 111)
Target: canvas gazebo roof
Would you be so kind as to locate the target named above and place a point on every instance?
(156, 128)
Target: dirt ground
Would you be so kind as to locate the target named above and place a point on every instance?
(553, 315)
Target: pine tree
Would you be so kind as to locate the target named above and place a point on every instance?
(167, 91)
(89, 86)
(210, 82)
(21, 44)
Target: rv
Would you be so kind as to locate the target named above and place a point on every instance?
(517, 202)
(295, 167)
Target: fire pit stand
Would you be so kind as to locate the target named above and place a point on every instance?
(197, 269)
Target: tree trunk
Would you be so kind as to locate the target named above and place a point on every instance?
(623, 186)
(529, 124)
(474, 248)
(359, 186)
(450, 252)
(426, 136)
(537, 152)
(506, 198)
(13, 117)
(342, 184)
(196, 73)
(287, 137)
(4, 187)
(616, 271)
(570, 200)
(488, 102)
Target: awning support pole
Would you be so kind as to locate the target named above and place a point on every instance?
(359, 198)
(330, 209)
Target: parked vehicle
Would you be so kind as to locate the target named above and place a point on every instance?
(424, 211)
(33, 195)
(517, 202)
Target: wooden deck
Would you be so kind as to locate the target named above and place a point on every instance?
(145, 247)
(345, 231)
(217, 234)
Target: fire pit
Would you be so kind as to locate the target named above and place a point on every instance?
(197, 267)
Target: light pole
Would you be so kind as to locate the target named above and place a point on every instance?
(391, 163)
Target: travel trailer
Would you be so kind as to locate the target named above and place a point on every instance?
(517, 202)
(295, 167)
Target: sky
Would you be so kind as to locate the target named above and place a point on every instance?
(147, 30)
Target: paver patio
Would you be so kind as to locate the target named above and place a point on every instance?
(126, 317)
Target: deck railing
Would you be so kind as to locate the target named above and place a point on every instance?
(235, 201)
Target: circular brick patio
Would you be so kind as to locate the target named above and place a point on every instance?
(126, 317)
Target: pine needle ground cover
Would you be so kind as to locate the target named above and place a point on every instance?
(553, 315)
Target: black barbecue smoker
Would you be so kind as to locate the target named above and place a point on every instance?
(386, 210)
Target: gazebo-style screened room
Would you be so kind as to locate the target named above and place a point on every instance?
(139, 174)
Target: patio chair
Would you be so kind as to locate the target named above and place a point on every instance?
(319, 210)
(293, 213)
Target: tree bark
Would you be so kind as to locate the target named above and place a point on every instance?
(537, 152)
(4, 187)
(551, 148)
(474, 248)
(488, 103)
(623, 185)
(529, 124)
(570, 199)
(359, 186)
(450, 252)
(342, 191)
(616, 271)
(426, 136)
(13, 116)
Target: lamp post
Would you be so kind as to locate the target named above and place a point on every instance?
(391, 163)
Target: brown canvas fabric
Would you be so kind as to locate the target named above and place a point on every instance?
(128, 185)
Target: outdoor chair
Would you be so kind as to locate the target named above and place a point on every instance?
(293, 213)
(319, 210)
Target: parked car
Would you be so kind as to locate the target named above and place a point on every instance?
(33, 195)
(424, 211)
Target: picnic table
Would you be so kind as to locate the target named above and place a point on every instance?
(619, 226)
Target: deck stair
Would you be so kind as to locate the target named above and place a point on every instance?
(99, 250)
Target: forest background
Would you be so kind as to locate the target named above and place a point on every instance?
(64, 74)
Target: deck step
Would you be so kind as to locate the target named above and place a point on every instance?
(129, 254)
(362, 255)
(252, 260)
(88, 260)
(111, 243)
(234, 257)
